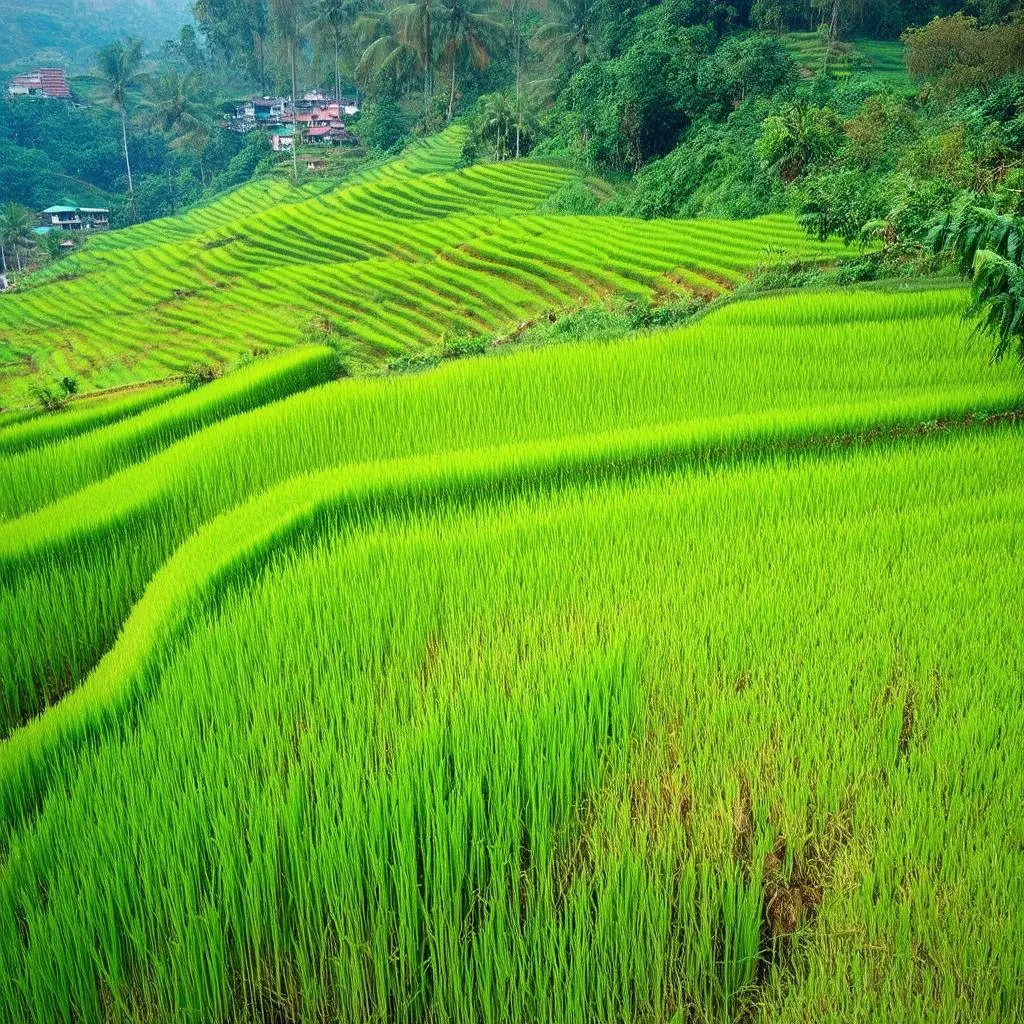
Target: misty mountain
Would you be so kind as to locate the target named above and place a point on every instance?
(68, 32)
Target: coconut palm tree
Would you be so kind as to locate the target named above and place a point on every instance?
(414, 28)
(287, 19)
(514, 15)
(569, 32)
(120, 67)
(501, 124)
(385, 55)
(175, 109)
(466, 30)
(333, 20)
(256, 16)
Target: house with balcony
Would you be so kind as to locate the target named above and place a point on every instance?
(75, 218)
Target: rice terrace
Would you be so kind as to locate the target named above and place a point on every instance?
(511, 513)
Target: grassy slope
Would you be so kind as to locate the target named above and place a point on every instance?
(600, 682)
(76, 566)
(397, 258)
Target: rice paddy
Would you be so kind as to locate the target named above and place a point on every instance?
(870, 60)
(389, 262)
(669, 678)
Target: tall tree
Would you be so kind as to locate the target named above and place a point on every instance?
(15, 232)
(287, 19)
(120, 67)
(256, 16)
(501, 124)
(334, 20)
(385, 59)
(176, 108)
(514, 14)
(570, 30)
(466, 30)
(956, 53)
(413, 23)
(238, 31)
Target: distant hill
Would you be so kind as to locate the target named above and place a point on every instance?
(68, 32)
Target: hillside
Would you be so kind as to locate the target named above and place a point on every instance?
(67, 33)
(390, 262)
(594, 681)
(433, 594)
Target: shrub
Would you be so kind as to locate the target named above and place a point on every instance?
(52, 398)
(196, 376)
(574, 197)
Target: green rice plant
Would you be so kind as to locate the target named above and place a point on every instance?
(909, 370)
(135, 310)
(503, 756)
(89, 414)
(35, 478)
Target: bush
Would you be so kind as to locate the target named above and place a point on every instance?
(383, 127)
(196, 376)
(573, 197)
(459, 348)
(53, 398)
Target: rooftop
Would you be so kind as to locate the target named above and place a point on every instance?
(52, 82)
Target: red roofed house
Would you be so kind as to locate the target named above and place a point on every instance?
(332, 134)
(325, 128)
(50, 83)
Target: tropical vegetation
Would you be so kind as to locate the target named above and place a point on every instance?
(554, 559)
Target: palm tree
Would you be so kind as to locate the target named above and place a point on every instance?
(569, 30)
(15, 232)
(256, 19)
(414, 30)
(287, 18)
(120, 66)
(500, 121)
(334, 20)
(497, 123)
(465, 31)
(799, 137)
(175, 110)
(513, 9)
(385, 54)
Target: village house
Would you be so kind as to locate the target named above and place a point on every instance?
(281, 139)
(47, 83)
(262, 112)
(309, 102)
(314, 110)
(331, 134)
(75, 218)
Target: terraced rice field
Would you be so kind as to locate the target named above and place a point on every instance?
(395, 260)
(674, 678)
(867, 59)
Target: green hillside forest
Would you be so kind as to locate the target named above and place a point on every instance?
(554, 556)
